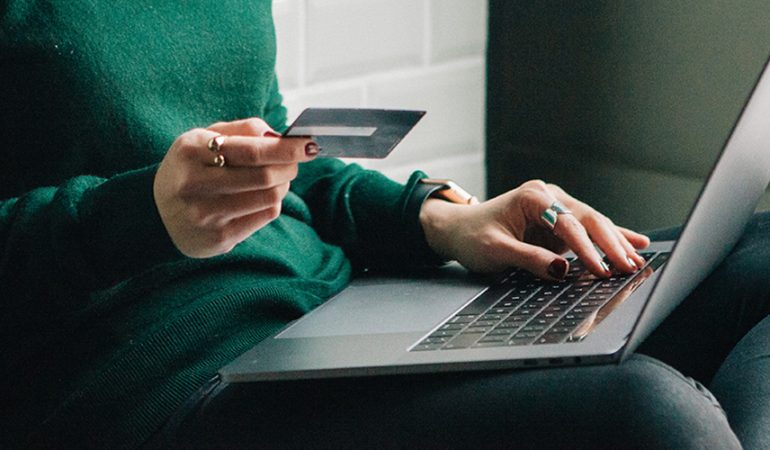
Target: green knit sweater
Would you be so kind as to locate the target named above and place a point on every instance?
(106, 327)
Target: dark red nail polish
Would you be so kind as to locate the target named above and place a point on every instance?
(558, 269)
(271, 133)
(312, 149)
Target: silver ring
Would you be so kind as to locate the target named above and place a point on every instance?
(551, 214)
(216, 143)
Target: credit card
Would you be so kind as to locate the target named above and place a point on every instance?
(354, 132)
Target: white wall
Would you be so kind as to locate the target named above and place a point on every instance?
(412, 54)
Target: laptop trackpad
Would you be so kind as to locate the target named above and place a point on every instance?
(386, 306)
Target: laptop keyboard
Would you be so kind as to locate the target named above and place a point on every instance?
(520, 309)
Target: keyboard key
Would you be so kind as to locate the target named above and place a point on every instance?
(533, 328)
(558, 309)
(464, 318)
(518, 340)
(526, 334)
(444, 333)
(611, 284)
(592, 303)
(500, 332)
(562, 330)
(574, 316)
(491, 317)
(600, 291)
(491, 344)
(485, 301)
(510, 325)
(463, 340)
(531, 306)
(477, 329)
(569, 323)
(493, 338)
(551, 338)
(543, 320)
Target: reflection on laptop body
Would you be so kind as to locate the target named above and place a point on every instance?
(448, 320)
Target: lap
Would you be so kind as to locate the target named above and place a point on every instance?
(643, 402)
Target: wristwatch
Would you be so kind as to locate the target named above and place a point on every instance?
(448, 190)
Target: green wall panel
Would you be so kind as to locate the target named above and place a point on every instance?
(624, 103)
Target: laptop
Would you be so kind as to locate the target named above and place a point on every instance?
(449, 320)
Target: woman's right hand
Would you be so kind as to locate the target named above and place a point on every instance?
(208, 209)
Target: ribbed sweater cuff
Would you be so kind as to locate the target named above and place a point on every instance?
(415, 194)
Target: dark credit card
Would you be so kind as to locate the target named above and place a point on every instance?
(354, 132)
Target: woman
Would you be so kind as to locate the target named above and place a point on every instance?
(151, 234)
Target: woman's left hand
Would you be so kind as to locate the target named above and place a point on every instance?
(509, 231)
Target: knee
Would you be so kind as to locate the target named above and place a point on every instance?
(661, 408)
(741, 384)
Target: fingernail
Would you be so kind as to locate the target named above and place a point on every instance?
(558, 268)
(641, 258)
(631, 262)
(271, 133)
(604, 266)
(311, 149)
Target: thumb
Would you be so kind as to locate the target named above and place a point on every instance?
(540, 261)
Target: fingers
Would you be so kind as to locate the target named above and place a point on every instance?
(484, 247)
(218, 211)
(210, 197)
(240, 179)
(247, 151)
(219, 240)
(620, 253)
(536, 198)
(637, 240)
(538, 260)
(574, 234)
(585, 229)
(252, 142)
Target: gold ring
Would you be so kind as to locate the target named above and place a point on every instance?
(219, 161)
(216, 143)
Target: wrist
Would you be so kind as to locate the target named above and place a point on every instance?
(444, 203)
(436, 218)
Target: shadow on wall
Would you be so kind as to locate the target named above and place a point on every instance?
(624, 104)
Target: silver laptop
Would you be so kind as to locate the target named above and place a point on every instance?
(448, 319)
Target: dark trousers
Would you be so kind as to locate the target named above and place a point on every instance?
(720, 336)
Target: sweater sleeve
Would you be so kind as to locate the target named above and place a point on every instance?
(63, 242)
(374, 219)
